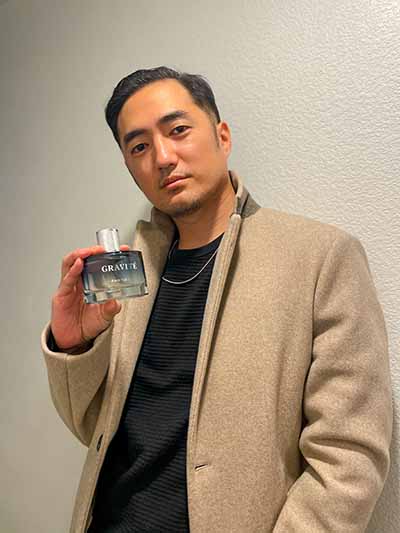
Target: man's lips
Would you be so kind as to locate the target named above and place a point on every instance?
(172, 181)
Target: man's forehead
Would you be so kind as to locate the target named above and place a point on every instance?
(159, 104)
(160, 93)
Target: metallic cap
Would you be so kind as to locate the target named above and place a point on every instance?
(109, 238)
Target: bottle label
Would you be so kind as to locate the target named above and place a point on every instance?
(119, 266)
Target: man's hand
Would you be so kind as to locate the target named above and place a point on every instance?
(73, 322)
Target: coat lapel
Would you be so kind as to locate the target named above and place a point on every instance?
(216, 287)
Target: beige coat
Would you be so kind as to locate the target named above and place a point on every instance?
(291, 413)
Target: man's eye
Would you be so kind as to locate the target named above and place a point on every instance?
(177, 127)
(142, 144)
(134, 148)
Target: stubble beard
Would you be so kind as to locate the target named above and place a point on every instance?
(193, 205)
(183, 210)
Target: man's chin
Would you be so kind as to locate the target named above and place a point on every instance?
(183, 209)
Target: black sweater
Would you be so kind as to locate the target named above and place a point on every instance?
(142, 483)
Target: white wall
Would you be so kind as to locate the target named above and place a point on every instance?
(311, 93)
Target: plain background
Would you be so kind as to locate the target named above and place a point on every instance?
(310, 90)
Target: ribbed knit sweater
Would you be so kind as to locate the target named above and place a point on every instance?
(142, 483)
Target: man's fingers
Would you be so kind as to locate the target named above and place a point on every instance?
(70, 259)
(69, 281)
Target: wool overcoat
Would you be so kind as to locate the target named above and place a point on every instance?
(291, 409)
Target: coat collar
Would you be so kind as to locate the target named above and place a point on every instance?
(154, 237)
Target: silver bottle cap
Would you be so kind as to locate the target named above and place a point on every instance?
(109, 238)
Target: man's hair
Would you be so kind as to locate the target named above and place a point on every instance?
(197, 86)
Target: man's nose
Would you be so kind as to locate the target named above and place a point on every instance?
(165, 151)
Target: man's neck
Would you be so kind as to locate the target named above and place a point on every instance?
(205, 225)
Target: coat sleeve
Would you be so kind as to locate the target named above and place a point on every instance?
(77, 382)
(347, 402)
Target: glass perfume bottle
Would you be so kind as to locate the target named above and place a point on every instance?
(113, 274)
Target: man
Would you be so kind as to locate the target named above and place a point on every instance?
(249, 390)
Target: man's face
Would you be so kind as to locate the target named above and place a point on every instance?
(189, 146)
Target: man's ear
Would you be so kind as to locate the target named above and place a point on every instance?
(224, 137)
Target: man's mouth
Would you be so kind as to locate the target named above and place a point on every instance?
(173, 181)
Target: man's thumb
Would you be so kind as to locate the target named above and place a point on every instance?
(110, 309)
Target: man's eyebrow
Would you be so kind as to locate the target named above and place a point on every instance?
(169, 117)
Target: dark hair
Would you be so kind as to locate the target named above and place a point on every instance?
(196, 85)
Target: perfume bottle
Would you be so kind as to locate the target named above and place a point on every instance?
(113, 274)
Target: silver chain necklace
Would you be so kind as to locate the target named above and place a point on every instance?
(190, 279)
